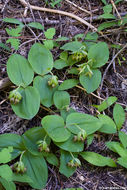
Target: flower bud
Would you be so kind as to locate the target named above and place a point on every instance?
(47, 149)
(42, 146)
(75, 138)
(53, 81)
(78, 56)
(79, 136)
(19, 167)
(71, 163)
(15, 97)
(77, 162)
(84, 134)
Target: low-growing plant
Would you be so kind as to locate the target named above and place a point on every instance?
(15, 33)
(53, 3)
(70, 132)
(120, 148)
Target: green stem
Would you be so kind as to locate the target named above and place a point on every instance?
(72, 155)
(22, 155)
(45, 137)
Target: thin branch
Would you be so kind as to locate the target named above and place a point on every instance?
(24, 3)
(4, 83)
(99, 96)
(110, 65)
(114, 6)
(80, 8)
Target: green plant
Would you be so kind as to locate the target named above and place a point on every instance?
(84, 61)
(15, 33)
(107, 12)
(33, 147)
(69, 130)
(53, 3)
(7, 177)
(4, 46)
(108, 15)
(120, 148)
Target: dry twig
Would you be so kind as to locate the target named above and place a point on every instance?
(24, 3)
(4, 83)
(80, 8)
(5, 4)
(110, 65)
(98, 96)
(114, 6)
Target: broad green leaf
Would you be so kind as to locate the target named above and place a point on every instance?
(52, 159)
(13, 140)
(107, 8)
(79, 36)
(75, 121)
(14, 43)
(64, 55)
(119, 116)
(55, 128)
(124, 21)
(46, 92)
(91, 36)
(15, 32)
(122, 161)
(90, 139)
(28, 107)
(67, 84)
(36, 25)
(91, 83)
(40, 59)
(32, 136)
(73, 71)
(99, 54)
(5, 155)
(13, 21)
(60, 64)
(36, 169)
(90, 39)
(50, 33)
(123, 138)
(1, 186)
(49, 44)
(106, 103)
(55, 3)
(117, 1)
(8, 185)
(97, 159)
(71, 61)
(107, 16)
(4, 46)
(117, 147)
(70, 145)
(107, 25)
(72, 46)
(61, 99)
(104, 1)
(64, 169)
(62, 39)
(19, 70)
(23, 178)
(108, 125)
(6, 172)
(64, 113)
